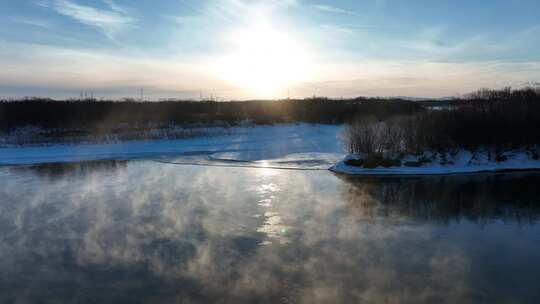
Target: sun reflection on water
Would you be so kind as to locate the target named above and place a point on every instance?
(272, 226)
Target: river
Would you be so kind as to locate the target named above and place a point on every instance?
(148, 232)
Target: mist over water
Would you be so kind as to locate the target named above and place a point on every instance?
(147, 232)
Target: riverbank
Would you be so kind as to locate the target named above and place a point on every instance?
(301, 144)
(441, 164)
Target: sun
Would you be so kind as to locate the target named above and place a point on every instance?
(264, 61)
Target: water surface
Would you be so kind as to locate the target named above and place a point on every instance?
(148, 232)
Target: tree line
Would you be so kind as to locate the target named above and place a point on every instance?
(89, 114)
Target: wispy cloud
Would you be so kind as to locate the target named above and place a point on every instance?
(115, 7)
(32, 21)
(47, 67)
(332, 9)
(111, 21)
(288, 3)
(274, 3)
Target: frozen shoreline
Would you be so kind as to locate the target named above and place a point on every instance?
(283, 143)
(463, 162)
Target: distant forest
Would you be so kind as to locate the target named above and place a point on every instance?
(90, 114)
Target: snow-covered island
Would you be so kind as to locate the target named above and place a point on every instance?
(489, 131)
(430, 163)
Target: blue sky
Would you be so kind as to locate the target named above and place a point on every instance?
(255, 49)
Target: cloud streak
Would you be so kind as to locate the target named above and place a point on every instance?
(332, 9)
(111, 21)
(115, 7)
(121, 73)
(32, 21)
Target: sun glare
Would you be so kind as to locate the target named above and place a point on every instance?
(264, 61)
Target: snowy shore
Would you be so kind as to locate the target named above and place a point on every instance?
(437, 164)
(286, 145)
(302, 144)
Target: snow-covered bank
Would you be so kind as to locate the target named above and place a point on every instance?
(432, 164)
(288, 145)
(300, 143)
(36, 136)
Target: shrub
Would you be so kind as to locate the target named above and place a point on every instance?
(497, 120)
(369, 136)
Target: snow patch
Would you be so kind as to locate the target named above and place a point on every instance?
(461, 162)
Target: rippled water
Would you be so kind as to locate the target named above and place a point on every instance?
(147, 232)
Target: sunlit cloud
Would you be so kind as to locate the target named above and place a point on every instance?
(73, 70)
(244, 49)
(122, 74)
